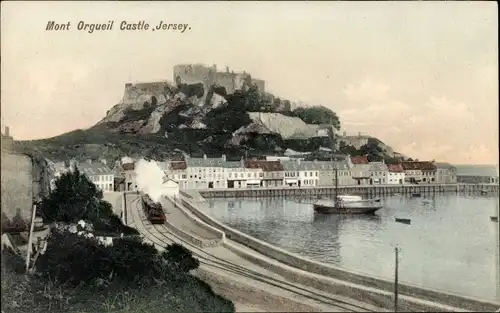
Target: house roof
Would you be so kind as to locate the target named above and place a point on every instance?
(378, 167)
(477, 170)
(330, 166)
(205, 162)
(94, 168)
(419, 165)
(395, 168)
(266, 166)
(359, 160)
(442, 165)
(128, 166)
(301, 166)
(177, 165)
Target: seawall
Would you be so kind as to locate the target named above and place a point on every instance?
(368, 190)
(376, 289)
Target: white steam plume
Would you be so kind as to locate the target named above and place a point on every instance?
(150, 179)
(126, 160)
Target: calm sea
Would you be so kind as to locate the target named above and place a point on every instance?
(451, 244)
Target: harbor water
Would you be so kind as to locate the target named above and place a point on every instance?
(450, 245)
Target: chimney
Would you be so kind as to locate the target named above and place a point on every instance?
(204, 156)
(7, 131)
(345, 134)
(223, 157)
(214, 67)
(242, 162)
(298, 161)
(89, 161)
(359, 134)
(227, 69)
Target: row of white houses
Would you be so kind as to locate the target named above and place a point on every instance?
(218, 173)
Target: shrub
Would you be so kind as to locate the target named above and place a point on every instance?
(74, 259)
(180, 257)
(127, 231)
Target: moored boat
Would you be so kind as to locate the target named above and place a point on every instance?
(363, 206)
(403, 220)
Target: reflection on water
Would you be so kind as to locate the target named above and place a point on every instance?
(450, 245)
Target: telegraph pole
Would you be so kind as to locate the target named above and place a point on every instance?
(396, 250)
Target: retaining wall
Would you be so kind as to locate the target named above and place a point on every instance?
(238, 291)
(327, 270)
(200, 242)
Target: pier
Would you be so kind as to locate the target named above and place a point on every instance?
(366, 190)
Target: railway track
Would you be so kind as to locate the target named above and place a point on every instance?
(211, 260)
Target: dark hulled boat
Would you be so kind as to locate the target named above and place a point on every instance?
(367, 206)
(346, 204)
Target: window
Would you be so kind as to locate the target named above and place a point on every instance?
(305, 174)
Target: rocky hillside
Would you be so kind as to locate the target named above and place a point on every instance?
(170, 120)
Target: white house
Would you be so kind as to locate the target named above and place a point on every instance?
(301, 173)
(378, 173)
(396, 175)
(171, 188)
(238, 176)
(101, 175)
(327, 172)
(176, 171)
(360, 170)
(203, 173)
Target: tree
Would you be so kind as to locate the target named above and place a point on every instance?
(317, 115)
(74, 198)
(371, 149)
(229, 117)
(253, 99)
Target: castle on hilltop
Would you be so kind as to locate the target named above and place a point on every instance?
(209, 76)
(186, 74)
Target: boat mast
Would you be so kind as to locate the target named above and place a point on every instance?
(333, 162)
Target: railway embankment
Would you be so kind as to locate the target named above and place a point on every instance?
(376, 291)
(246, 287)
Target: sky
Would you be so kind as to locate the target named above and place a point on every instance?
(420, 76)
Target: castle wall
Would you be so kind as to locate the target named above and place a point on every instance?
(137, 94)
(227, 80)
(261, 84)
(208, 76)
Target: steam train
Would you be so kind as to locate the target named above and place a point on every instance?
(153, 210)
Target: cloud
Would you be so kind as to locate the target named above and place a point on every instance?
(440, 128)
(367, 90)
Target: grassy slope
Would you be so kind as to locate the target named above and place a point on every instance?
(30, 294)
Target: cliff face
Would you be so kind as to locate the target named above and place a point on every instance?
(287, 127)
